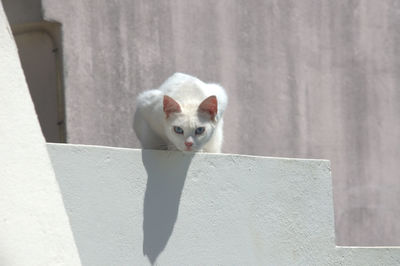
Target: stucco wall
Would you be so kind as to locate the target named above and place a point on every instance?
(36, 49)
(309, 79)
(134, 207)
(34, 228)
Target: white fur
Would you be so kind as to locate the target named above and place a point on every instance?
(155, 130)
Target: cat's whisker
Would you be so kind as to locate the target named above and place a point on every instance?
(167, 147)
(172, 148)
(163, 146)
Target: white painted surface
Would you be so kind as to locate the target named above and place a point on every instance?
(34, 229)
(306, 79)
(133, 207)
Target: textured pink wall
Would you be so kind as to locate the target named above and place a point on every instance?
(311, 79)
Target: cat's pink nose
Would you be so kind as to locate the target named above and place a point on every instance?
(188, 144)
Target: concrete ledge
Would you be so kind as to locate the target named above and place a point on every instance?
(134, 207)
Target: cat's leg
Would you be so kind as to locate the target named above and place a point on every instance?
(146, 135)
(214, 145)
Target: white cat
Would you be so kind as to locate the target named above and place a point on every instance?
(183, 114)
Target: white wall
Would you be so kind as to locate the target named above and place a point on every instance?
(34, 229)
(128, 207)
(306, 79)
(133, 207)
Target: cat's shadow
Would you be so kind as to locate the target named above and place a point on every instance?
(166, 173)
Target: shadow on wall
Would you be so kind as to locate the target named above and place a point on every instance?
(165, 182)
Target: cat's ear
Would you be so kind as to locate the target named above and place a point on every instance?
(170, 106)
(209, 105)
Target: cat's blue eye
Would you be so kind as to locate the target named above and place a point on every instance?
(178, 130)
(199, 130)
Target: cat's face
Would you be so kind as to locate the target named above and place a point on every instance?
(191, 127)
(189, 132)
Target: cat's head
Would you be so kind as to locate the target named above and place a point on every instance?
(191, 126)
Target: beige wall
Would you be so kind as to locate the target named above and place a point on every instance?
(40, 53)
(313, 79)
